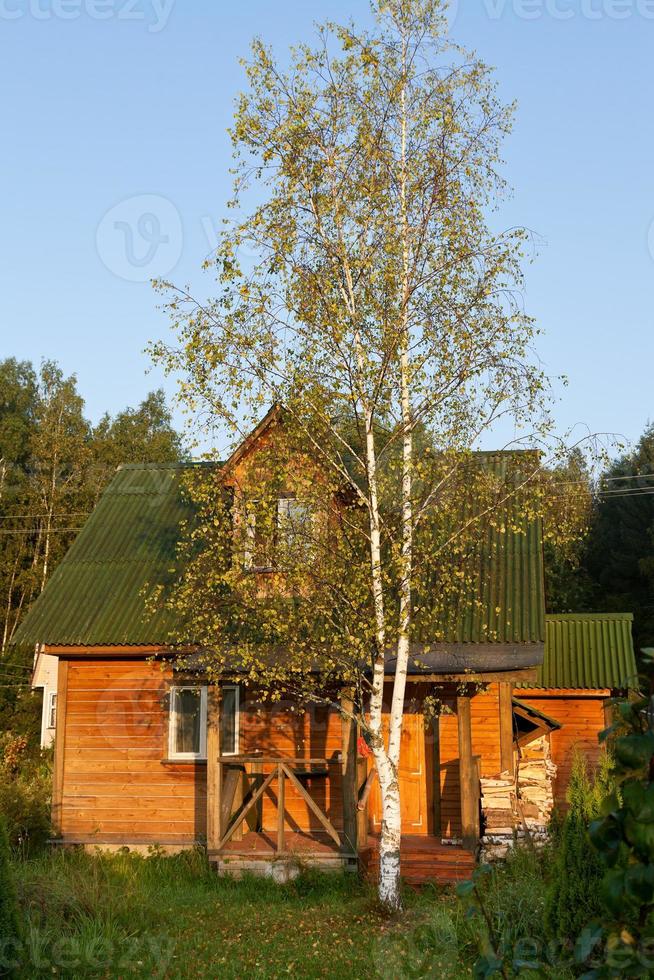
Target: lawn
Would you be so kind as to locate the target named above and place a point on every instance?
(125, 916)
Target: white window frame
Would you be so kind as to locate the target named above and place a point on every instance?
(237, 718)
(250, 536)
(51, 715)
(172, 722)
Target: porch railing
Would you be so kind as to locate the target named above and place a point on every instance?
(283, 770)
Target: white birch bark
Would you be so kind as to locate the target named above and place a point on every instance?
(391, 832)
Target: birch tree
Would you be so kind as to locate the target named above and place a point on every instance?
(363, 286)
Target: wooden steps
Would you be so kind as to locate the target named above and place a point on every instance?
(423, 860)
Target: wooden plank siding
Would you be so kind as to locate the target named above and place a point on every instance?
(278, 730)
(485, 725)
(116, 784)
(113, 782)
(581, 715)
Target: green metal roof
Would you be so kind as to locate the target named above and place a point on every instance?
(98, 594)
(588, 651)
(508, 591)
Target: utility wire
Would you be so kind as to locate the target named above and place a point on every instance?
(35, 530)
(72, 513)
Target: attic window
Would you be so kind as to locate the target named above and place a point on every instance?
(273, 529)
(293, 524)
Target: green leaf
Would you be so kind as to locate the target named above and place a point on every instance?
(634, 751)
(639, 883)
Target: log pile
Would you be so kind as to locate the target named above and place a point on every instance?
(514, 808)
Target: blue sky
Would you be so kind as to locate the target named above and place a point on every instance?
(114, 105)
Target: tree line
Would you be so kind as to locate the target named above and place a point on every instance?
(609, 568)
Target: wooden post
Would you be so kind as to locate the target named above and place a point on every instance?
(506, 727)
(436, 777)
(362, 814)
(468, 777)
(349, 773)
(60, 744)
(255, 782)
(214, 769)
(281, 805)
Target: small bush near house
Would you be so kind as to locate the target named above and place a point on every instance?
(25, 792)
(503, 911)
(574, 895)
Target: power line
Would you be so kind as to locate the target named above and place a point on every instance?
(35, 530)
(34, 517)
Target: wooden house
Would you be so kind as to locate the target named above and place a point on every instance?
(146, 755)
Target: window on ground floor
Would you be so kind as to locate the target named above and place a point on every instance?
(188, 721)
(230, 719)
(52, 709)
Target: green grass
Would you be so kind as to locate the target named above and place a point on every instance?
(127, 916)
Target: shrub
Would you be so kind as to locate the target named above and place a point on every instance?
(513, 897)
(25, 790)
(9, 919)
(573, 897)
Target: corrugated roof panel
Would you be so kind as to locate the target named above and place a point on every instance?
(588, 651)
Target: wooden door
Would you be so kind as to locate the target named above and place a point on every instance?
(413, 779)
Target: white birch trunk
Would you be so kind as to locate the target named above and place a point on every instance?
(391, 835)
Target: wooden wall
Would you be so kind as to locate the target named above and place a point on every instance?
(115, 784)
(485, 722)
(581, 715)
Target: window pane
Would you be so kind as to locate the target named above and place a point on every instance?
(188, 719)
(229, 733)
(52, 713)
(294, 524)
(259, 533)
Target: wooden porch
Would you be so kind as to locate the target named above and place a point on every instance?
(245, 844)
(271, 813)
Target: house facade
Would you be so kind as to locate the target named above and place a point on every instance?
(149, 754)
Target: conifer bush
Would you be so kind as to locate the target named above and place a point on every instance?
(574, 894)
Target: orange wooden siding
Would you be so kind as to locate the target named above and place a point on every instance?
(314, 734)
(485, 721)
(115, 785)
(581, 715)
